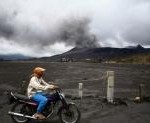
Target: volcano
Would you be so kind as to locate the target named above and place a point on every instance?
(101, 54)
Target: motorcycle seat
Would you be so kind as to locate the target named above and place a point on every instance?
(21, 97)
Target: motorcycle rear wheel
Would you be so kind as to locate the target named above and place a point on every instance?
(70, 115)
(20, 108)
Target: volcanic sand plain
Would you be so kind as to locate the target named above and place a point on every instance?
(93, 109)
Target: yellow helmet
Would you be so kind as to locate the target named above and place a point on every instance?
(38, 71)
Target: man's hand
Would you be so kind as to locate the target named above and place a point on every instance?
(56, 87)
(52, 83)
(53, 87)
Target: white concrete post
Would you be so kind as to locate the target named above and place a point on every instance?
(141, 91)
(110, 86)
(80, 90)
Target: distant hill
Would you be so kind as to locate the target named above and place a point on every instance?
(11, 57)
(103, 54)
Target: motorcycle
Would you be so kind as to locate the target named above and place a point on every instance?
(23, 108)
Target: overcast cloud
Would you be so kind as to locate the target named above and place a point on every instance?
(48, 27)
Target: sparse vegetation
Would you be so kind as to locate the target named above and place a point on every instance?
(134, 59)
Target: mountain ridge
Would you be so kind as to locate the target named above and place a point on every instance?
(12, 57)
(101, 54)
(130, 54)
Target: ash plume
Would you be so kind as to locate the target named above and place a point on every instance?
(77, 32)
(71, 31)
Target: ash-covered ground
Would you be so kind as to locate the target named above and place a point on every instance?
(93, 76)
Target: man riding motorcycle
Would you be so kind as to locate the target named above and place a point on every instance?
(35, 91)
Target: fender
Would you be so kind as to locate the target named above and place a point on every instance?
(11, 98)
(70, 103)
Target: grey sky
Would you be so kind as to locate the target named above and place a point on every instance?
(48, 27)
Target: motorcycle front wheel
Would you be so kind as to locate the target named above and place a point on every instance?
(71, 114)
(21, 109)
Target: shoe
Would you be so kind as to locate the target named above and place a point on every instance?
(39, 116)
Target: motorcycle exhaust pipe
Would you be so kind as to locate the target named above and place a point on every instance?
(20, 115)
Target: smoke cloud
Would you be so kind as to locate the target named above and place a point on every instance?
(71, 31)
(6, 28)
(77, 32)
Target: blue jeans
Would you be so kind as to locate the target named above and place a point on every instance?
(41, 99)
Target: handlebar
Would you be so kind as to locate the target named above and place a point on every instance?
(56, 88)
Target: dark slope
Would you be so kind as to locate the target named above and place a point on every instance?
(97, 54)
